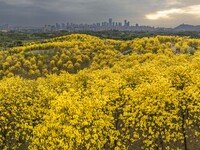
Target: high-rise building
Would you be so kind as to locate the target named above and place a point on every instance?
(57, 25)
(98, 24)
(128, 24)
(63, 25)
(125, 22)
(113, 24)
(110, 21)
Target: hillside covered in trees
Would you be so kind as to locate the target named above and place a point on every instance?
(83, 92)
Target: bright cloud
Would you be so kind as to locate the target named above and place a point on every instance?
(173, 2)
(168, 14)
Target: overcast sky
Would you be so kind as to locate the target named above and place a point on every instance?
(165, 13)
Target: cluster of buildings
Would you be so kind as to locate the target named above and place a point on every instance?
(7, 28)
(4, 28)
(103, 26)
(109, 25)
(72, 27)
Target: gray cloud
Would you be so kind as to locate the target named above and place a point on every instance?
(40, 12)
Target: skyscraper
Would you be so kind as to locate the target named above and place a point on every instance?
(125, 22)
(128, 24)
(110, 21)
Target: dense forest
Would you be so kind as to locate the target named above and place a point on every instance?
(83, 92)
(16, 38)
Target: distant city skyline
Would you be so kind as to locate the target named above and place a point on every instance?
(165, 13)
(107, 21)
(110, 24)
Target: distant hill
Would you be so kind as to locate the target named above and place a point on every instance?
(187, 27)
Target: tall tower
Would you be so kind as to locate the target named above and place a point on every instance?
(110, 21)
(125, 22)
